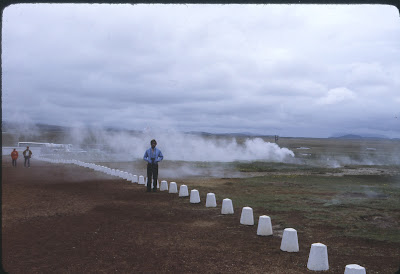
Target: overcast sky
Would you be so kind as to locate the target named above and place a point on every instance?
(290, 70)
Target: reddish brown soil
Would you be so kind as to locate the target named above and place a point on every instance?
(68, 219)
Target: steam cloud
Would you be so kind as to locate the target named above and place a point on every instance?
(182, 147)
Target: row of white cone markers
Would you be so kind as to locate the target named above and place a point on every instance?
(318, 257)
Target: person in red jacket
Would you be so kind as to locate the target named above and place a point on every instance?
(14, 157)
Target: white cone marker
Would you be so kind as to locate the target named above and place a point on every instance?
(210, 200)
(247, 216)
(164, 185)
(354, 269)
(289, 242)
(183, 191)
(227, 207)
(318, 258)
(173, 188)
(264, 226)
(194, 196)
(141, 180)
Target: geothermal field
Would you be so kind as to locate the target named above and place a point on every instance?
(324, 204)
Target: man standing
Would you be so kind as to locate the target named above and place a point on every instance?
(153, 155)
(14, 157)
(27, 155)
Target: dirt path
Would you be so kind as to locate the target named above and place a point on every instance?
(68, 219)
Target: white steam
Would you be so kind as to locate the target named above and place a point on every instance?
(182, 147)
(195, 148)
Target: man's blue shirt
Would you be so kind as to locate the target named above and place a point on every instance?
(157, 155)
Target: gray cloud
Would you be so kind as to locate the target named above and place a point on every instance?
(272, 69)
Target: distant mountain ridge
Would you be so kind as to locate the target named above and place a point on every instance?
(239, 134)
(354, 136)
(12, 126)
(8, 126)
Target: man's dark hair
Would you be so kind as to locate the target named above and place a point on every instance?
(153, 141)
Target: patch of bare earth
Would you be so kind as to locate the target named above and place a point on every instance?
(67, 219)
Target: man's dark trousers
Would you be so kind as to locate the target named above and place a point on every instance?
(152, 173)
(27, 159)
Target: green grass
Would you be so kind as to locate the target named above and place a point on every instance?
(260, 166)
(355, 206)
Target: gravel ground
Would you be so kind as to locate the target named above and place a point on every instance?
(68, 219)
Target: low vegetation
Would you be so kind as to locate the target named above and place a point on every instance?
(365, 206)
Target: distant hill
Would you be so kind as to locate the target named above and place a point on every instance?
(367, 136)
(348, 136)
(7, 126)
(45, 127)
(12, 128)
(235, 134)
